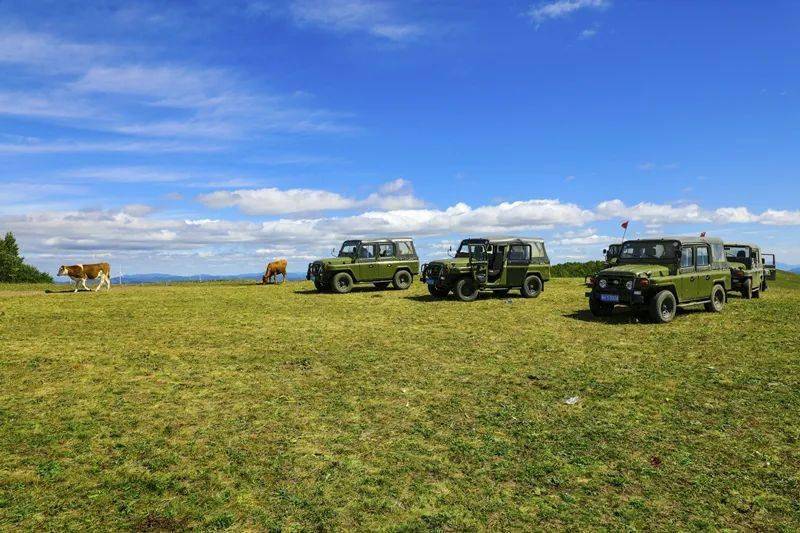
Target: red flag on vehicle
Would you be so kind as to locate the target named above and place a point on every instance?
(703, 234)
(625, 224)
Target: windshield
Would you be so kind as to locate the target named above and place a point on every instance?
(737, 253)
(348, 248)
(649, 250)
(466, 248)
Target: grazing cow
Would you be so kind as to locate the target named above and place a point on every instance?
(80, 273)
(273, 269)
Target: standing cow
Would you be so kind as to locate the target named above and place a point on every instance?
(273, 269)
(80, 273)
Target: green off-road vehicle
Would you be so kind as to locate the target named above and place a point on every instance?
(749, 269)
(378, 261)
(496, 265)
(660, 275)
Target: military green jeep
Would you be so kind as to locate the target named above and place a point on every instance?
(379, 261)
(496, 265)
(749, 269)
(660, 275)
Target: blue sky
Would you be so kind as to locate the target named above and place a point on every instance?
(214, 136)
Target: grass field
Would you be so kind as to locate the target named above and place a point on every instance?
(273, 407)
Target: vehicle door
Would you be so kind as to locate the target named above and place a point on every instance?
(703, 281)
(757, 268)
(365, 267)
(479, 263)
(770, 268)
(517, 263)
(685, 284)
(386, 261)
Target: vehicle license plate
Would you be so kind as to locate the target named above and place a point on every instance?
(609, 297)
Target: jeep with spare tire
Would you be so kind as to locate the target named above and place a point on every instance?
(749, 269)
(381, 262)
(490, 265)
(660, 275)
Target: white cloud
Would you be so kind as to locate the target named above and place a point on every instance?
(274, 201)
(373, 17)
(42, 50)
(587, 33)
(394, 195)
(653, 213)
(36, 146)
(561, 8)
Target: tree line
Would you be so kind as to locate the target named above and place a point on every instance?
(13, 268)
(576, 270)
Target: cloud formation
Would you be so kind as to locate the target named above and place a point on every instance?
(561, 8)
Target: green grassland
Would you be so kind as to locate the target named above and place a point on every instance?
(233, 405)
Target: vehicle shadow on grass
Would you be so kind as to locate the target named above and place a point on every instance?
(355, 290)
(624, 316)
(426, 298)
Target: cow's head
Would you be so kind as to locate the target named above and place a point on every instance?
(62, 271)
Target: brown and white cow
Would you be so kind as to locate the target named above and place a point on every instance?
(273, 269)
(80, 273)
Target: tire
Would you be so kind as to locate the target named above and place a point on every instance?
(717, 303)
(437, 292)
(600, 309)
(402, 280)
(757, 292)
(531, 287)
(502, 292)
(747, 289)
(466, 290)
(342, 283)
(319, 285)
(663, 307)
(381, 285)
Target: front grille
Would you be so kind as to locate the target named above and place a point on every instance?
(434, 271)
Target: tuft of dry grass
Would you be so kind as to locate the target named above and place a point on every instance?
(234, 405)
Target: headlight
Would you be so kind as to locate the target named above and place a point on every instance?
(603, 283)
(629, 285)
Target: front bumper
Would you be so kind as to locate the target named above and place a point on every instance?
(314, 271)
(435, 275)
(617, 293)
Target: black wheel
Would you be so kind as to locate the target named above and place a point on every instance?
(466, 289)
(599, 308)
(531, 287)
(662, 307)
(747, 289)
(757, 292)
(717, 302)
(502, 292)
(437, 292)
(319, 285)
(402, 280)
(381, 284)
(342, 283)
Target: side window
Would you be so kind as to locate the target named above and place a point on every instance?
(519, 253)
(367, 251)
(386, 250)
(702, 256)
(405, 248)
(718, 253)
(687, 257)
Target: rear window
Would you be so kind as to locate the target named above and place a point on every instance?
(734, 253)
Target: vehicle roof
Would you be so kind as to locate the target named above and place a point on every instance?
(682, 239)
(506, 240)
(743, 244)
(381, 239)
